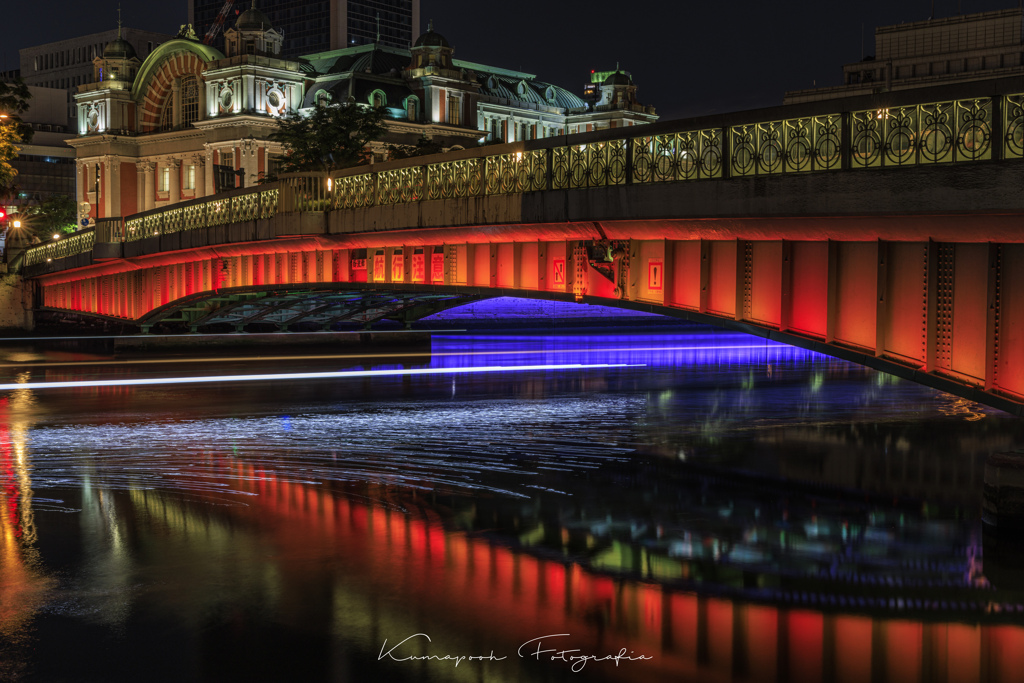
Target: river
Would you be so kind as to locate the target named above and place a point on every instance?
(676, 504)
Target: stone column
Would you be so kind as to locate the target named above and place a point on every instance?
(249, 161)
(140, 186)
(149, 168)
(81, 190)
(93, 192)
(174, 196)
(209, 175)
(200, 163)
(112, 186)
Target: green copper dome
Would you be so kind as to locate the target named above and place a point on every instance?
(618, 78)
(119, 48)
(253, 20)
(431, 38)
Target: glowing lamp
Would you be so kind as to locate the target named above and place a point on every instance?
(56, 236)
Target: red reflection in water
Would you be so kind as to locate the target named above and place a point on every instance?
(503, 598)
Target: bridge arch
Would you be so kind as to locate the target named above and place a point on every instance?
(328, 305)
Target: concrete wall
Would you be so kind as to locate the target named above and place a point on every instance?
(15, 304)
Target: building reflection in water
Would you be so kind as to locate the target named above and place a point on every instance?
(24, 585)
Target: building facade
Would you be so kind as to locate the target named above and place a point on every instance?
(312, 26)
(189, 120)
(66, 64)
(969, 47)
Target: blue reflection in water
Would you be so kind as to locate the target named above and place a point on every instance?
(689, 349)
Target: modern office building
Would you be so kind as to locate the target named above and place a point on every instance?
(45, 165)
(66, 64)
(968, 47)
(312, 26)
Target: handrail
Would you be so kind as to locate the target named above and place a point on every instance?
(77, 243)
(971, 129)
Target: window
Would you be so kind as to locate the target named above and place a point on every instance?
(165, 179)
(189, 99)
(190, 177)
(410, 108)
(377, 99)
(167, 118)
(454, 109)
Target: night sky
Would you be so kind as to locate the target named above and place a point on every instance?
(687, 58)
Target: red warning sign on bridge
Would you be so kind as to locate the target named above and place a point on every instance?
(655, 273)
(559, 269)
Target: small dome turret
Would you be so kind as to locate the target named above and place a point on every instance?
(618, 78)
(119, 48)
(431, 38)
(253, 20)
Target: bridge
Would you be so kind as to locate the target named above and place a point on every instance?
(885, 230)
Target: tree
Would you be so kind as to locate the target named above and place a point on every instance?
(56, 214)
(332, 137)
(423, 147)
(14, 99)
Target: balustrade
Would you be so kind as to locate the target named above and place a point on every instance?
(940, 132)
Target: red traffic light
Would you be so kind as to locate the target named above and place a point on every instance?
(3, 215)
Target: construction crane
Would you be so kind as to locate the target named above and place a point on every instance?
(218, 23)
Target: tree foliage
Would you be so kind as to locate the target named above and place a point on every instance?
(332, 137)
(423, 147)
(14, 99)
(56, 214)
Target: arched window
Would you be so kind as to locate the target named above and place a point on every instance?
(167, 118)
(377, 99)
(412, 108)
(189, 99)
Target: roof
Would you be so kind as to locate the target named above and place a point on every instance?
(618, 78)
(375, 59)
(389, 62)
(361, 87)
(253, 20)
(431, 38)
(527, 90)
(119, 48)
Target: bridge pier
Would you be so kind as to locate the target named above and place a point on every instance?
(1003, 501)
(16, 303)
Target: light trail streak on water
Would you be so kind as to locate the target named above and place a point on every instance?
(381, 356)
(301, 375)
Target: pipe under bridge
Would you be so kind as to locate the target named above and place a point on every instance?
(886, 231)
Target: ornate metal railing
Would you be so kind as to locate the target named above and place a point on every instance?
(692, 155)
(787, 146)
(452, 179)
(206, 213)
(953, 131)
(933, 133)
(70, 245)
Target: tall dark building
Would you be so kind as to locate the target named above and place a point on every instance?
(312, 26)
